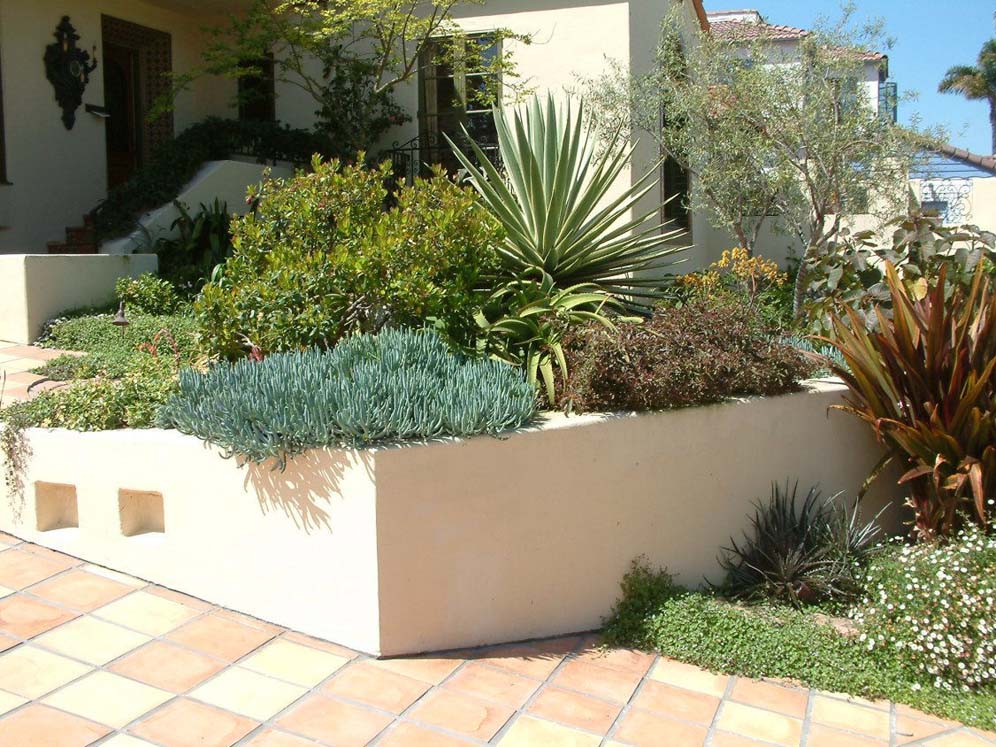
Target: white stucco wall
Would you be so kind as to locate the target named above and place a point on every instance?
(56, 174)
(37, 287)
(453, 543)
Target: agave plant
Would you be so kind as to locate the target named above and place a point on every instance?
(925, 380)
(525, 321)
(558, 205)
(799, 552)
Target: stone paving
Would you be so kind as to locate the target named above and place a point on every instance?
(18, 362)
(93, 657)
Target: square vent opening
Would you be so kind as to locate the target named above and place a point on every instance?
(56, 506)
(141, 512)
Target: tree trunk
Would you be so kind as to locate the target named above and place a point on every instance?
(992, 123)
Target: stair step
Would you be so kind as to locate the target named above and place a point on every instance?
(80, 235)
(64, 247)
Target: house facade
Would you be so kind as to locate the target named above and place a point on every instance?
(959, 186)
(64, 144)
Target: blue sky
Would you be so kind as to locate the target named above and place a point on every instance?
(929, 36)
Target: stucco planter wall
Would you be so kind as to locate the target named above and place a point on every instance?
(441, 545)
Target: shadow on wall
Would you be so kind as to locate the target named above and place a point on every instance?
(309, 485)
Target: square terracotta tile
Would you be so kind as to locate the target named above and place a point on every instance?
(759, 724)
(91, 640)
(622, 659)
(963, 738)
(81, 590)
(791, 701)
(645, 729)
(107, 699)
(20, 568)
(124, 740)
(376, 687)
(530, 732)
(185, 599)
(292, 662)
(274, 738)
(574, 709)
(431, 669)
(840, 714)
(248, 693)
(24, 617)
(146, 613)
(410, 735)
(184, 723)
(220, 636)
(334, 722)
(9, 702)
(31, 672)
(252, 622)
(462, 714)
(677, 702)
(37, 725)
(530, 660)
(326, 646)
(496, 685)
(824, 736)
(121, 578)
(725, 739)
(168, 666)
(60, 558)
(607, 684)
(689, 677)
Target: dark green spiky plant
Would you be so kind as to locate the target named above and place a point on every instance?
(799, 552)
(925, 381)
(394, 386)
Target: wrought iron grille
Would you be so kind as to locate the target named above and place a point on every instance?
(418, 156)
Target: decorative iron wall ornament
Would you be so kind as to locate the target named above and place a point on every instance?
(68, 69)
(952, 198)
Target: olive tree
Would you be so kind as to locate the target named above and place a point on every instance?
(788, 138)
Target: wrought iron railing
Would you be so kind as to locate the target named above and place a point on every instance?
(418, 156)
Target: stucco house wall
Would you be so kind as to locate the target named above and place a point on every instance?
(55, 174)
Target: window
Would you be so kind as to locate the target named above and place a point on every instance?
(888, 96)
(257, 97)
(674, 190)
(455, 89)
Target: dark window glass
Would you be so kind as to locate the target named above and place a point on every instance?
(257, 97)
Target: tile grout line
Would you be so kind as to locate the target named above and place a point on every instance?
(725, 698)
(807, 718)
(628, 705)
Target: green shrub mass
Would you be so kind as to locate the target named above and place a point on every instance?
(321, 258)
(146, 382)
(932, 607)
(398, 385)
(772, 641)
(177, 161)
(696, 353)
(148, 294)
(109, 349)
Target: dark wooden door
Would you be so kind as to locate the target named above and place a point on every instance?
(122, 127)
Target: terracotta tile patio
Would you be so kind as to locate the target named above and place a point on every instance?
(93, 657)
(18, 362)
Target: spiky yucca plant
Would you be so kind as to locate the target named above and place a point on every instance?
(925, 381)
(799, 552)
(558, 207)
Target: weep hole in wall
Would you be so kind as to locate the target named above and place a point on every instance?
(55, 506)
(141, 512)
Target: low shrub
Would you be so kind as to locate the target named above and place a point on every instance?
(398, 385)
(321, 258)
(777, 642)
(800, 552)
(696, 353)
(739, 277)
(202, 241)
(148, 294)
(932, 605)
(95, 334)
(131, 401)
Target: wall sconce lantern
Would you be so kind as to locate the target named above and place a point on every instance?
(68, 69)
